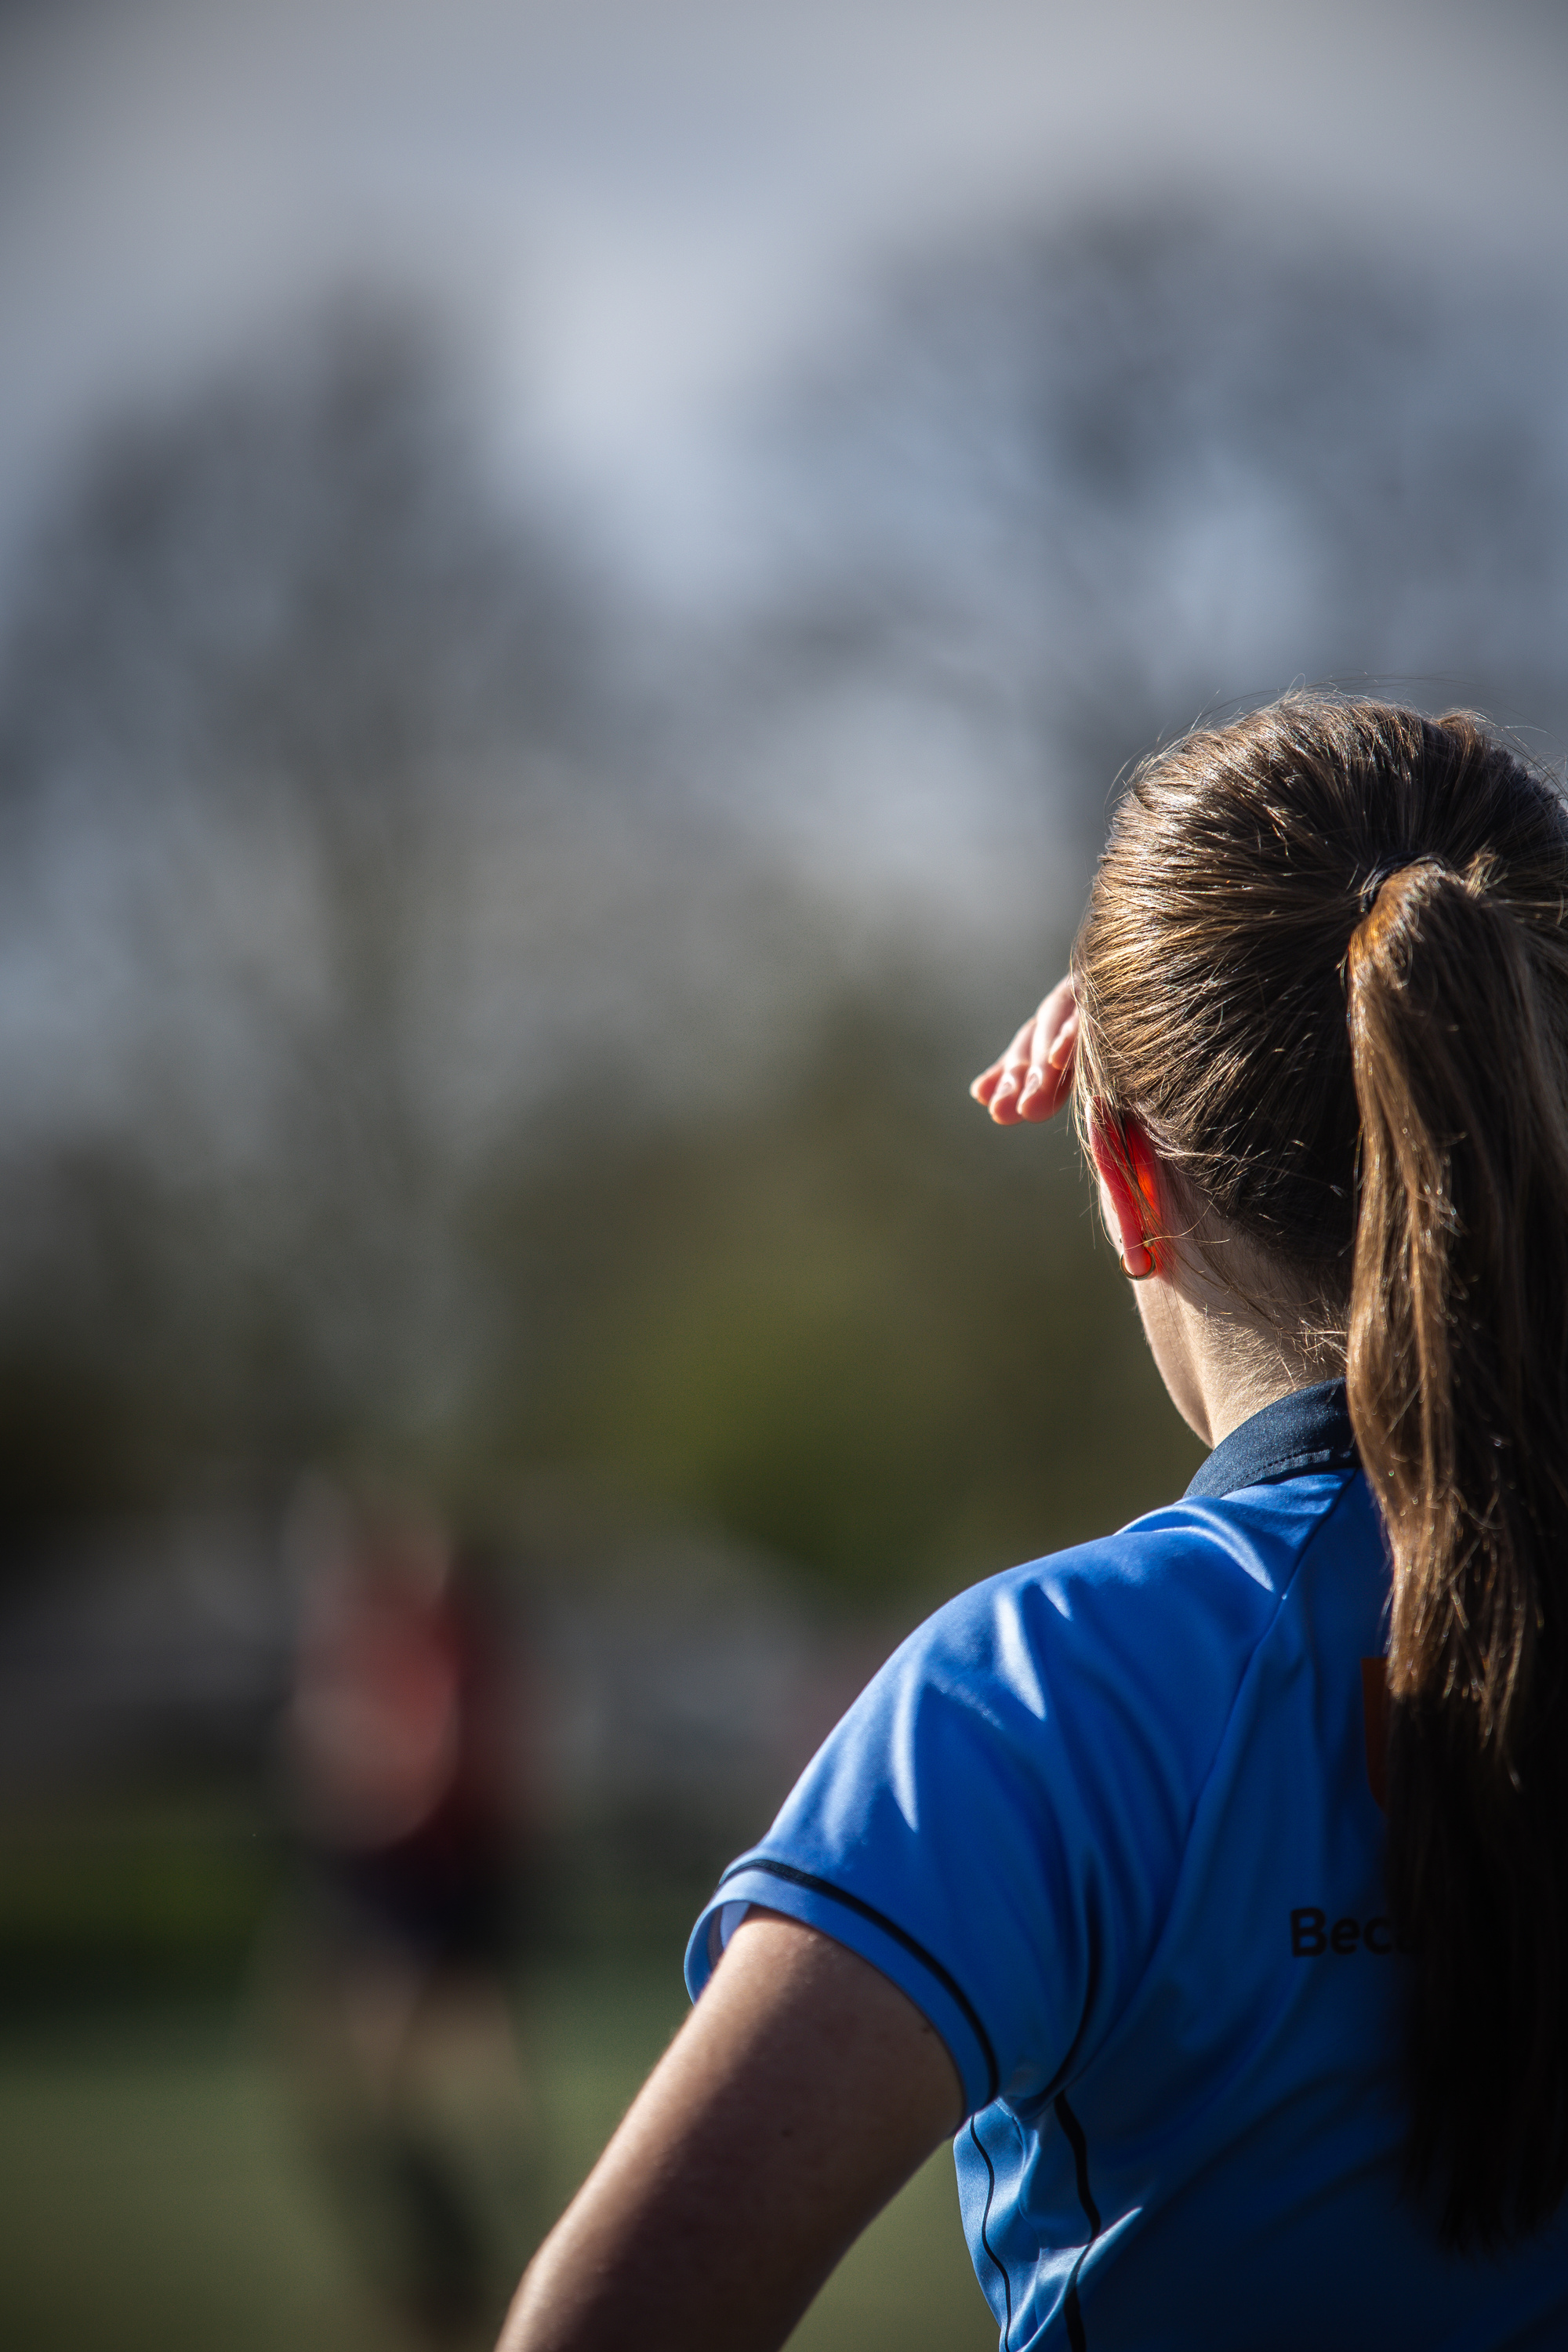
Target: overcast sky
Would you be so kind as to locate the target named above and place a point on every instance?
(643, 209)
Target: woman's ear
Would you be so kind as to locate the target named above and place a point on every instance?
(1127, 1169)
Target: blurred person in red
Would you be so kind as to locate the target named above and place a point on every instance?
(410, 1794)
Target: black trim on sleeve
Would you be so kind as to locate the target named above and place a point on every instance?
(950, 1984)
(1072, 2310)
(997, 2263)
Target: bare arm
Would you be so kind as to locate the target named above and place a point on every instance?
(800, 2094)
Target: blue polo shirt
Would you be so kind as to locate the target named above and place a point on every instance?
(1108, 1820)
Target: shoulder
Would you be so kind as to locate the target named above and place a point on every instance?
(1083, 1695)
(998, 1821)
(1167, 1611)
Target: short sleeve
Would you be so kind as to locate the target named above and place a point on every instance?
(998, 1822)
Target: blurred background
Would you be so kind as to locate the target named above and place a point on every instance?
(576, 584)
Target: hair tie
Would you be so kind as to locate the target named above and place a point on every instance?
(1392, 867)
(1377, 878)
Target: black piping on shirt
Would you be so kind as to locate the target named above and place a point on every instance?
(1072, 2310)
(898, 1933)
(997, 2263)
(794, 1877)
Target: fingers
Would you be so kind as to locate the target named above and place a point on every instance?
(997, 1087)
(1033, 1079)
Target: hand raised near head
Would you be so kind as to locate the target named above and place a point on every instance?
(1032, 1080)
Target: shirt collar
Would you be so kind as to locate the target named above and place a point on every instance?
(1307, 1430)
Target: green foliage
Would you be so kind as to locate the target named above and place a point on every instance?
(133, 1896)
(857, 1326)
(845, 1320)
(357, 764)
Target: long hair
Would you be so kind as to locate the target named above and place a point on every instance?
(1324, 967)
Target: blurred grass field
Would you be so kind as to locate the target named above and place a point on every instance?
(157, 2194)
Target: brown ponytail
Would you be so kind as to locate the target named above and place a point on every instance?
(1402, 1172)
(1459, 1384)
